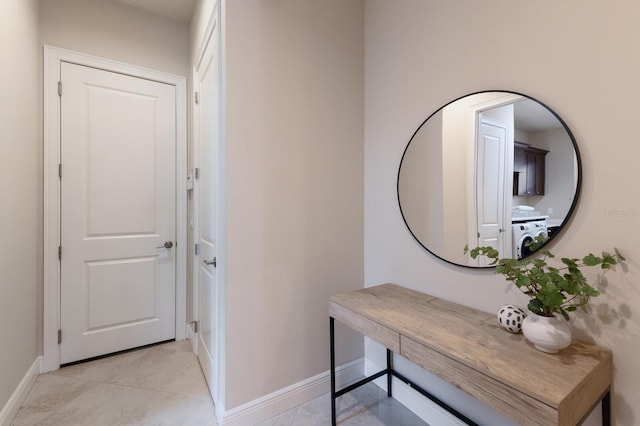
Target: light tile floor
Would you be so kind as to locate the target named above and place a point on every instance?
(163, 385)
(158, 385)
(364, 406)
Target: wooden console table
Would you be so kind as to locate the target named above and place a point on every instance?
(468, 349)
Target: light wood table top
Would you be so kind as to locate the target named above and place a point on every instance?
(468, 349)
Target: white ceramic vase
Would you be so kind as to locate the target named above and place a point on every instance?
(548, 334)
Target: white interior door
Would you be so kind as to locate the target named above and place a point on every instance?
(491, 142)
(495, 136)
(118, 209)
(206, 224)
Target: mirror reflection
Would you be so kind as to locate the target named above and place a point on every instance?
(490, 169)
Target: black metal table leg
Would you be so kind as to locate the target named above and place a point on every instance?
(606, 409)
(333, 372)
(390, 372)
(389, 369)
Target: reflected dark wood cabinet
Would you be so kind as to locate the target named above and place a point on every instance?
(528, 169)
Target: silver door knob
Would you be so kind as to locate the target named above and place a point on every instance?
(167, 245)
(213, 262)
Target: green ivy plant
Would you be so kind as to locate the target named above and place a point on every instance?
(551, 289)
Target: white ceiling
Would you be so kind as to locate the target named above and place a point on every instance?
(177, 10)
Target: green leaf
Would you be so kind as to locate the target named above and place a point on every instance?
(591, 260)
(546, 253)
(537, 242)
(551, 299)
(523, 281)
(607, 258)
(565, 315)
(536, 306)
(589, 291)
(539, 263)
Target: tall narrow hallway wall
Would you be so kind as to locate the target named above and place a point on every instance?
(294, 187)
(20, 276)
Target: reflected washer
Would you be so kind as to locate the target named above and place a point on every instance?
(524, 232)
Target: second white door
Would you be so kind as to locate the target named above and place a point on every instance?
(207, 207)
(118, 204)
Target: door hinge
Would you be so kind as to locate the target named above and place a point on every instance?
(59, 88)
(195, 327)
(59, 252)
(197, 98)
(60, 171)
(59, 336)
(196, 172)
(197, 250)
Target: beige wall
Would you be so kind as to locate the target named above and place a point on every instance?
(420, 187)
(559, 174)
(294, 187)
(116, 31)
(19, 255)
(577, 57)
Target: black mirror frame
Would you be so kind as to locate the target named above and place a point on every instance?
(576, 197)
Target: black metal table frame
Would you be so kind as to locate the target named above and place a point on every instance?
(390, 373)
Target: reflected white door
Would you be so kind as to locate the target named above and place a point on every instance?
(491, 146)
(206, 194)
(118, 143)
(494, 169)
(490, 196)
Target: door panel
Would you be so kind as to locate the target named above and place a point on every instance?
(118, 142)
(116, 146)
(135, 288)
(489, 171)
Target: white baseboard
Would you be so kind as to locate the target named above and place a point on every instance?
(192, 336)
(421, 406)
(22, 391)
(287, 398)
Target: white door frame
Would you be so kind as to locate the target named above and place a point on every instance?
(472, 154)
(53, 57)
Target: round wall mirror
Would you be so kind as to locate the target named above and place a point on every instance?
(493, 168)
